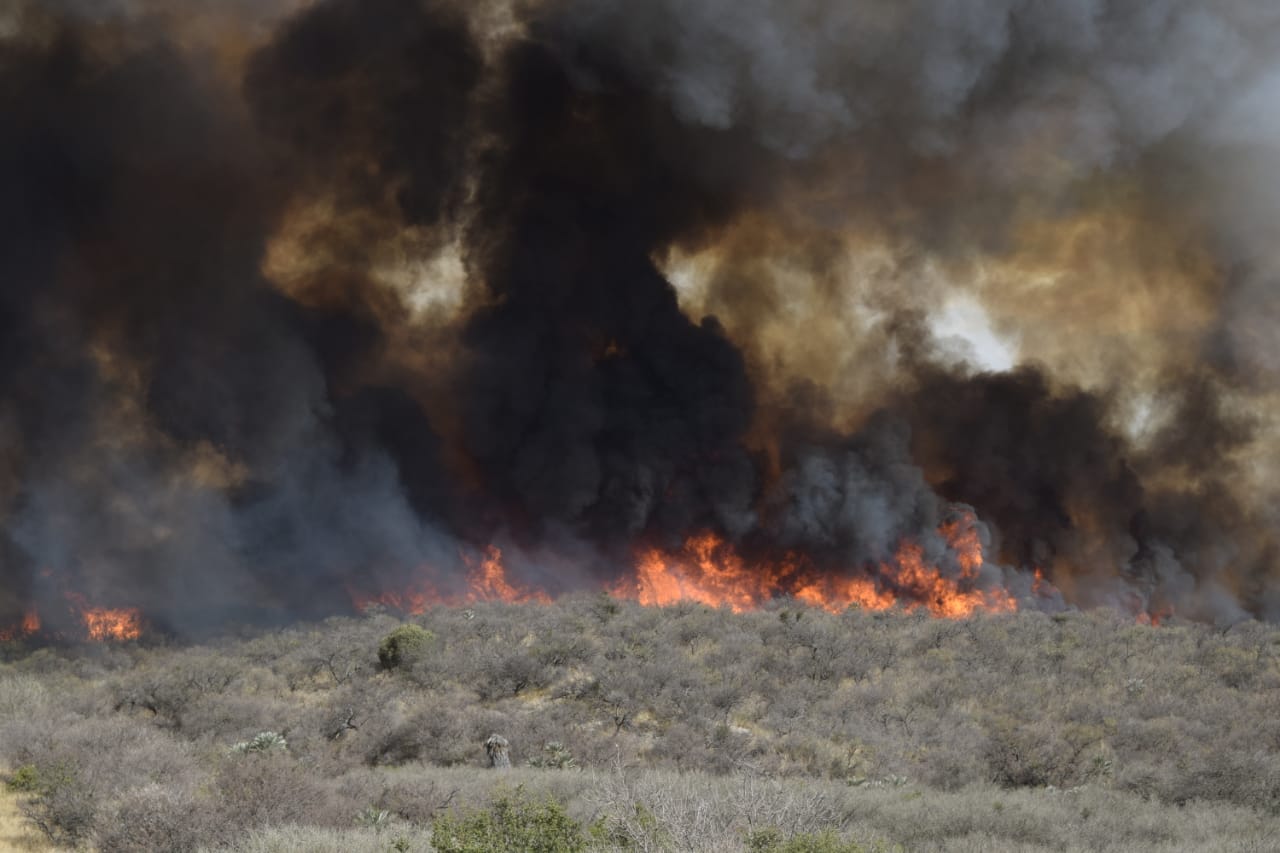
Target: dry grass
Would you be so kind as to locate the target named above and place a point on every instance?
(16, 832)
(681, 729)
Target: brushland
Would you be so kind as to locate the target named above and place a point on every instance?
(786, 729)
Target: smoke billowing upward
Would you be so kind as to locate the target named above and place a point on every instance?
(302, 300)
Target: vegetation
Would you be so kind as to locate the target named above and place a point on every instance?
(404, 645)
(635, 729)
(512, 824)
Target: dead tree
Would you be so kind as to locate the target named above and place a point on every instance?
(343, 723)
(497, 748)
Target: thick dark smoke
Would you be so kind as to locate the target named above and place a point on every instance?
(589, 400)
(224, 395)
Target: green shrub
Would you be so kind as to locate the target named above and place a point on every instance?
(403, 645)
(25, 780)
(556, 756)
(513, 824)
(65, 806)
(32, 779)
(771, 841)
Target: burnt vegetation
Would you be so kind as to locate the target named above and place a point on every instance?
(633, 728)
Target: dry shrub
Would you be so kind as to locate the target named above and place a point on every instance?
(416, 800)
(311, 839)
(82, 766)
(153, 819)
(22, 696)
(270, 789)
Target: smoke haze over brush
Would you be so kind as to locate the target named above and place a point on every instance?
(300, 297)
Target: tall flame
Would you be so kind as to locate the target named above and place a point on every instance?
(706, 570)
(487, 580)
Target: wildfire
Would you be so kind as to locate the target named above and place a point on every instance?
(705, 569)
(1155, 617)
(29, 625)
(99, 624)
(106, 623)
(486, 581)
(708, 570)
(103, 623)
(943, 596)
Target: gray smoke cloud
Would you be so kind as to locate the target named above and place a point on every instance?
(1105, 79)
(200, 419)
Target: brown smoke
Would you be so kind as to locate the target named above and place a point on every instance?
(301, 298)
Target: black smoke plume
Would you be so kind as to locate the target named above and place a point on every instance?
(299, 298)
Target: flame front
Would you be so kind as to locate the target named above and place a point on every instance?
(487, 580)
(104, 623)
(99, 624)
(706, 570)
(710, 571)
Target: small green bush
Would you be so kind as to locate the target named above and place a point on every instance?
(513, 824)
(556, 756)
(30, 779)
(771, 841)
(402, 645)
(65, 806)
(25, 780)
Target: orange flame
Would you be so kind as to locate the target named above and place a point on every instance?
(486, 581)
(107, 623)
(1155, 617)
(100, 624)
(837, 594)
(708, 570)
(29, 625)
(104, 623)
